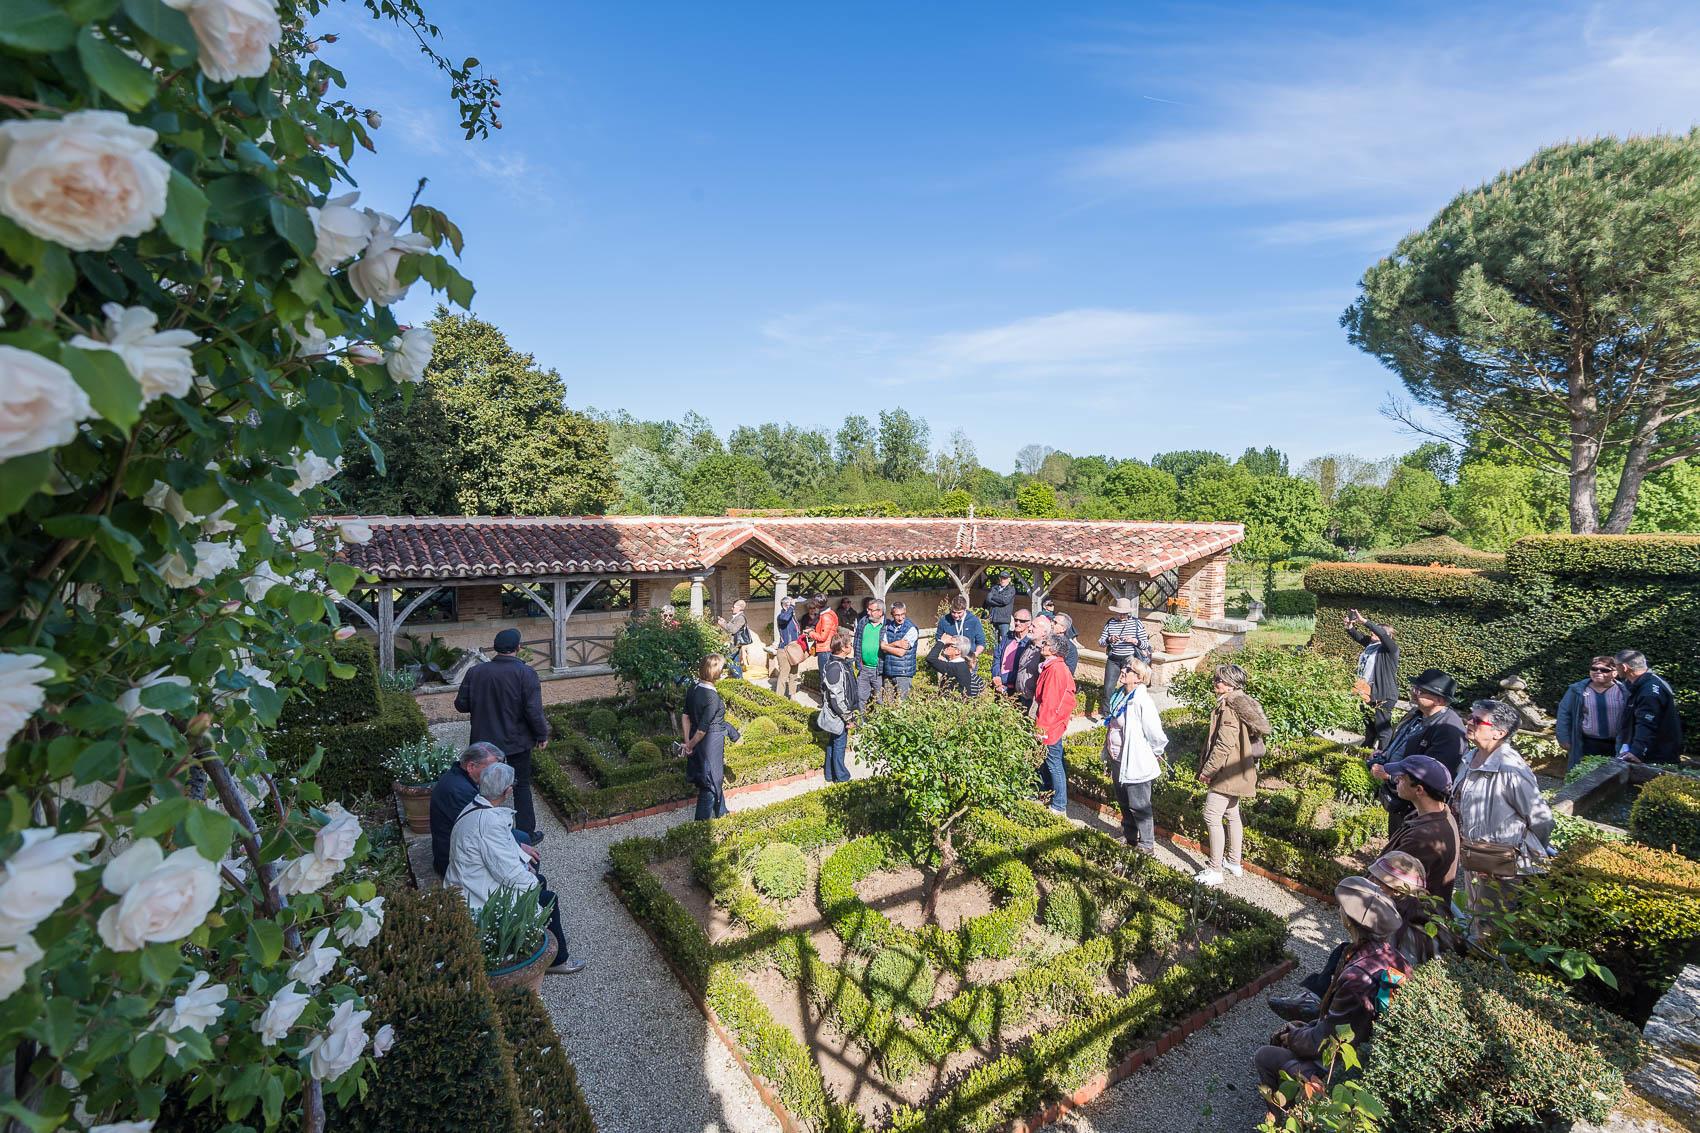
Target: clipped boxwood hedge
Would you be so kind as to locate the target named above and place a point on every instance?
(354, 753)
(1289, 604)
(342, 700)
(1559, 600)
(1667, 815)
(1443, 550)
(548, 1083)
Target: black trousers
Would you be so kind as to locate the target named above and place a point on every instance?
(547, 896)
(525, 813)
(1378, 725)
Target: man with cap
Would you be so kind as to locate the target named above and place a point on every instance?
(1000, 607)
(1430, 728)
(505, 699)
(1370, 969)
(1429, 832)
(1123, 639)
(1651, 729)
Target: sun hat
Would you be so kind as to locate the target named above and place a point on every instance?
(1367, 905)
(1122, 606)
(1400, 872)
(1425, 769)
(1437, 682)
(507, 641)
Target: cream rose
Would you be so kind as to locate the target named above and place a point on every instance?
(409, 354)
(257, 585)
(134, 620)
(343, 231)
(15, 963)
(236, 37)
(40, 403)
(354, 532)
(162, 898)
(280, 1014)
(315, 963)
(373, 275)
(130, 700)
(21, 694)
(383, 1041)
(311, 470)
(158, 359)
(310, 341)
(211, 560)
(198, 1008)
(333, 1051)
(82, 180)
(365, 354)
(38, 878)
(371, 922)
(333, 845)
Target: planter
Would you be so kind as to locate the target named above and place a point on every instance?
(415, 807)
(527, 973)
(1176, 643)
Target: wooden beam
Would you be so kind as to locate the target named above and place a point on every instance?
(386, 629)
(351, 604)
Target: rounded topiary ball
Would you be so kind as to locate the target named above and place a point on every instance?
(779, 871)
(602, 722)
(1069, 911)
(1355, 781)
(643, 751)
(901, 980)
(761, 728)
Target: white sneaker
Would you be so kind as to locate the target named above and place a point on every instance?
(1233, 870)
(1208, 877)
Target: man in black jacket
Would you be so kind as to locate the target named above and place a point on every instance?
(1651, 731)
(1430, 728)
(452, 791)
(506, 701)
(1378, 676)
(1000, 609)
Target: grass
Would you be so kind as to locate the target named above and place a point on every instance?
(1283, 631)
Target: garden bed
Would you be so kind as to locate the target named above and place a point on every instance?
(1055, 961)
(611, 761)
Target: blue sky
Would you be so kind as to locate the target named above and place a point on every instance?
(1106, 228)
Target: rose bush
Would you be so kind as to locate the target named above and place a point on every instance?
(194, 324)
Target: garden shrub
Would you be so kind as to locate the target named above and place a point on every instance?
(1302, 692)
(1289, 604)
(760, 728)
(901, 980)
(1470, 1045)
(353, 763)
(1441, 550)
(1667, 815)
(341, 701)
(602, 722)
(1354, 781)
(1069, 910)
(643, 751)
(780, 871)
(548, 1084)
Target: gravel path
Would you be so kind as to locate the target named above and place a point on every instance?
(649, 1064)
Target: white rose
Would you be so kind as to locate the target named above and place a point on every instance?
(306, 874)
(280, 1014)
(383, 1041)
(130, 700)
(311, 470)
(211, 560)
(21, 694)
(365, 354)
(373, 275)
(163, 898)
(124, 1127)
(236, 37)
(371, 922)
(135, 620)
(336, 838)
(15, 963)
(354, 532)
(261, 582)
(82, 180)
(340, 1045)
(37, 878)
(343, 231)
(158, 359)
(409, 354)
(198, 1008)
(164, 498)
(316, 963)
(310, 342)
(40, 403)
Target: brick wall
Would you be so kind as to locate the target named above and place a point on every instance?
(1204, 586)
(478, 603)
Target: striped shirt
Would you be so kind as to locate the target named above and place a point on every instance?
(1122, 650)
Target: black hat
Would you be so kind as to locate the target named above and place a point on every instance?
(1437, 682)
(507, 641)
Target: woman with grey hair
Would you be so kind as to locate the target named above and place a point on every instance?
(1503, 820)
(483, 857)
(1228, 769)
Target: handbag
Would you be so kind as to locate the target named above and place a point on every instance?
(1490, 859)
(826, 719)
(794, 653)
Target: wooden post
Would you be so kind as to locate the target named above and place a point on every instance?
(386, 628)
(781, 587)
(558, 614)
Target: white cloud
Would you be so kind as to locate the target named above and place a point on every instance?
(1374, 232)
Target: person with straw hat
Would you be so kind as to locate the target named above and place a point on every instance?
(1122, 640)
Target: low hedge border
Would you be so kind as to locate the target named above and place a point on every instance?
(1003, 1088)
(549, 1088)
(354, 753)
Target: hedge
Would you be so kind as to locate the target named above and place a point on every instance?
(1560, 600)
(342, 700)
(1289, 604)
(354, 753)
(1467, 1045)
(1443, 550)
(1667, 815)
(548, 1084)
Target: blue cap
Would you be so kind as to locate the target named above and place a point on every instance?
(507, 641)
(1425, 769)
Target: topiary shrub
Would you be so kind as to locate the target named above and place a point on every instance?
(602, 722)
(1467, 1045)
(1667, 815)
(1069, 911)
(342, 700)
(779, 871)
(1289, 604)
(643, 751)
(901, 980)
(1353, 780)
(552, 1097)
(761, 728)
(1441, 550)
(1301, 691)
(354, 753)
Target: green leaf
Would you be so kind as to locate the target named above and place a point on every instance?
(160, 962)
(168, 696)
(238, 199)
(293, 225)
(305, 608)
(265, 937)
(130, 84)
(146, 1055)
(54, 274)
(185, 219)
(211, 832)
(35, 25)
(162, 816)
(162, 23)
(28, 298)
(114, 394)
(31, 1120)
(20, 478)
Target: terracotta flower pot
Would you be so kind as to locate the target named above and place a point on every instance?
(1176, 642)
(527, 973)
(415, 806)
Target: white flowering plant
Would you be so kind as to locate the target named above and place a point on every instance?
(194, 324)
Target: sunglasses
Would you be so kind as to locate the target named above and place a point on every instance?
(1023, 621)
(1477, 721)
(1602, 668)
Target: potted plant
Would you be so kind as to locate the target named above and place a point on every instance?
(1177, 633)
(430, 660)
(415, 766)
(513, 926)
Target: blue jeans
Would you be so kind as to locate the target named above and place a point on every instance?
(1055, 777)
(836, 771)
(734, 662)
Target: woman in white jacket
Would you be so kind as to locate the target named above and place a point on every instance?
(483, 857)
(1133, 739)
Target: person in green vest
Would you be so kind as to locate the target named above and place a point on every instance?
(865, 651)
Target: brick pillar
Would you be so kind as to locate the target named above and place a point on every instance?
(479, 603)
(1204, 586)
(651, 594)
(731, 581)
